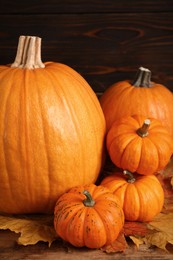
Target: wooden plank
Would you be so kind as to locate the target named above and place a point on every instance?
(104, 48)
(84, 6)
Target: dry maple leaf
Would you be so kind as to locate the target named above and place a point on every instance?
(137, 241)
(136, 228)
(163, 226)
(160, 232)
(32, 229)
(119, 245)
(166, 179)
(136, 231)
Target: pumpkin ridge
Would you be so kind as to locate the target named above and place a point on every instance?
(96, 105)
(23, 148)
(135, 138)
(106, 230)
(44, 136)
(105, 103)
(88, 113)
(119, 184)
(76, 218)
(118, 135)
(98, 217)
(73, 213)
(74, 121)
(122, 99)
(120, 89)
(139, 198)
(109, 145)
(87, 87)
(156, 144)
(117, 191)
(139, 188)
(10, 74)
(157, 195)
(5, 70)
(94, 192)
(84, 222)
(141, 158)
(99, 193)
(126, 194)
(15, 193)
(25, 170)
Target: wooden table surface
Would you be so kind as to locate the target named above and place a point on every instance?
(10, 250)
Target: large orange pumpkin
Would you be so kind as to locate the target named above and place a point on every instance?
(141, 196)
(139, 145)
(52, 131)
(139, 97)
(89, 216)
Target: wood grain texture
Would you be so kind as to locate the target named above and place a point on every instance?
(104, 48)
(84, 6)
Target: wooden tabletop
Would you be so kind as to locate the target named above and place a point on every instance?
(9, 249)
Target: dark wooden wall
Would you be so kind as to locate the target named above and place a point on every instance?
(105, 41)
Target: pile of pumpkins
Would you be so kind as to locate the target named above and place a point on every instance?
(53, 130)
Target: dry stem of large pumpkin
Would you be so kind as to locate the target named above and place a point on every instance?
(143, 78)
(28, 53)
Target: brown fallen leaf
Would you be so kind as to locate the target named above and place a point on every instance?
(163, 227)
(166, 179)
(137, 241)
(32, 229)
(136, 231)
(159, 234)
(136, 228)
(168, 170)
(119, 245)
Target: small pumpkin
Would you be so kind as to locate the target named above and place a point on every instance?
(139, 145)
(88, 216)
(141, 196)
(141, 96)
(52, 131)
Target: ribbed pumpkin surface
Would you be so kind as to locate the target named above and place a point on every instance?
(51, 136)
(125, 99)
(141, 200)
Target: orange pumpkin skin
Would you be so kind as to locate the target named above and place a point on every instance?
(92, 226)
(52, 133)
(141, 200)
(146, 98)
(144, 155)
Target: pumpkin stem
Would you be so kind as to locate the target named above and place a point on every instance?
(143, 131)
(131, 178)
(88, 202)
(143, 78)
(28, 53)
